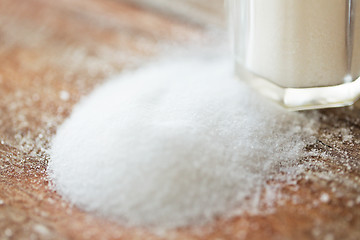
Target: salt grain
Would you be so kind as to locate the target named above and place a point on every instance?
(64, 95)
(175, 143)
(41, 229)
(8, 232)
(350, 204)
(324, 198)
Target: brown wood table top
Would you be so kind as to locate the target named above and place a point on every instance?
(51, 47)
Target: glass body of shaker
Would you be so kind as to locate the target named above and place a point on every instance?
(303, 54)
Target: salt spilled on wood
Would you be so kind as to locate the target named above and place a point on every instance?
(175, 143)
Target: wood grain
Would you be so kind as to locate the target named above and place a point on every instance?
(47, 47)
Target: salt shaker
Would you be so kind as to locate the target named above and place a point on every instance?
(303, 54)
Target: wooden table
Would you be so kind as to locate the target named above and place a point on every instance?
(54, 52)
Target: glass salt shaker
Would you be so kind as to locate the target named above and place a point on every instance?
(303, 54)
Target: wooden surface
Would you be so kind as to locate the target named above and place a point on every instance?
(48, 48)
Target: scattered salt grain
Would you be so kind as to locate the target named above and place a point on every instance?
(41, 229)
(8, 232)
(325, 198)
(346, 134)
(64, 95)
(357, 200)
(176, 143)
(350, 204)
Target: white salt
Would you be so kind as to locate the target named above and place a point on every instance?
(325, 198)
(41, 229)
(64, 95)
(8, 232)
(175, 143)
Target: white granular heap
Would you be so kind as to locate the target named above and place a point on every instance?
(176, 143)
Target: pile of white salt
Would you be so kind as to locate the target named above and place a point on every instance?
(175, 143)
